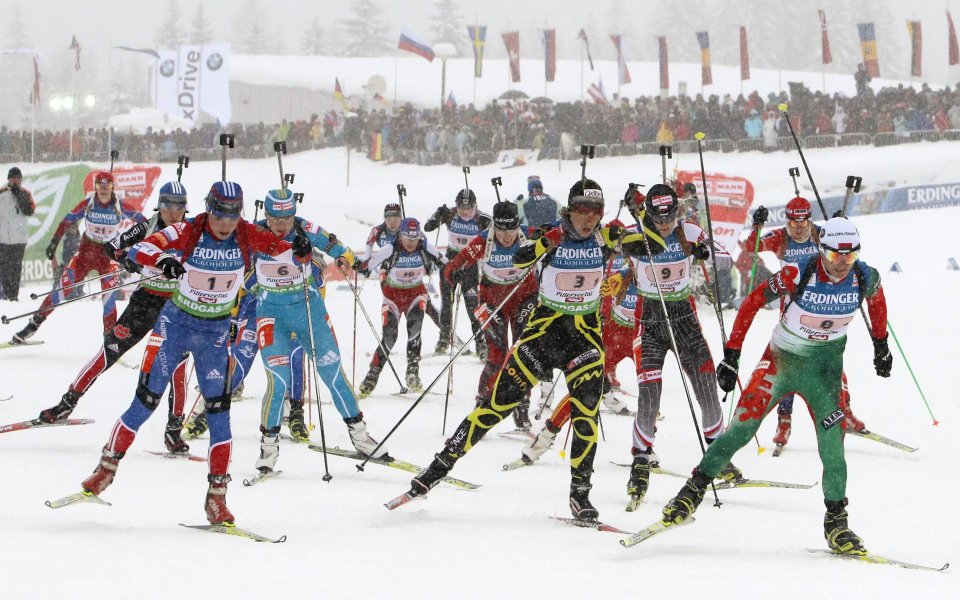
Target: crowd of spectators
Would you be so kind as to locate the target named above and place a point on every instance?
(535, 124)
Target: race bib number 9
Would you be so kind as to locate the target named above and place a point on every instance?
(568, 282)
(666, 273)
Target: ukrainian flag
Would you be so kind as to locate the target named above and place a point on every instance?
(868, 45)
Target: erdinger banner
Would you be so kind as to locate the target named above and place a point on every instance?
(194, 78)
(133, 185)
(730, 199)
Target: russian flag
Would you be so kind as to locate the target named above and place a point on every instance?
(410, 43)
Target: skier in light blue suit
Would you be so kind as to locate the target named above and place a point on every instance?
(282, 325)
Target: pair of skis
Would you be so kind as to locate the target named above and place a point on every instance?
(866, 434)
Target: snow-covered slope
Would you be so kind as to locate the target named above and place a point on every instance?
(497, 541)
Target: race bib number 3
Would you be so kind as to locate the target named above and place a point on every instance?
(569, 282)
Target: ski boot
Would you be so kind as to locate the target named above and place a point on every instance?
(730, 473)
(269, 450)
(439, 467)
(783, 430)
(62, 409)
(196, 426)
(521, 415)
(369, 382)
(237, 394)
(546, 437)
(413, 377)
(27, 332)
(686, 502)
(839, 537)
(104, 473)
(171, 437)
(443, 344)
(216, 500)
(639, 476)
(580, 505)
(298, 429)
(362, 441)
(614, 404)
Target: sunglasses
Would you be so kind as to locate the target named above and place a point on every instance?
(800, 222)
(836, 256)
(103, 183)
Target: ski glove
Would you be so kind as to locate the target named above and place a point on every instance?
(616, 231)
(128, 265)
(760, 216)
(882, 359)
(170, 266)
(362, 267)
(553, 237)
(700, 251)
(52, 247)
(727, 370)
(443, 214)
(302, 248)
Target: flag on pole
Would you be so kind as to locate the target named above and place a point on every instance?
(411, 43)
(664, 65)
(916, 48)
(744, 55)
(478, 37)
(550, 54)
(597, 94)
(511, 40)
(703, 38)
(623, 74)
(35, 92)
(868, 45)
(824, 40)
(954, 51)
(75, 45)
(451, 102)
(586, 44)
(149, 51)
(338, 94)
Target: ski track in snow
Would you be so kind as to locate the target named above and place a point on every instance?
(497, 541)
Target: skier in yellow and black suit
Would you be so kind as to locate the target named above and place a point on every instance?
(562, 333)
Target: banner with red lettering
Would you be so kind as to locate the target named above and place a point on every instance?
(133, 185)
(730, 200)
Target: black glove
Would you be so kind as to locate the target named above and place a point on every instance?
(537, 232)
(700, 251)
(617, 231)
(170, 266)
(52, 247)
(302, 248)
(362, 267)
(760, 216)
(882, 359)
(727, 370)
(443, 214)
(234, 331)
(128, 265)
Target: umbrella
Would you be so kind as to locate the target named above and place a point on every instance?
(513, 95)
(542, 100)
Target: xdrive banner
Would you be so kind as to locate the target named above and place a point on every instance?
(191, 79)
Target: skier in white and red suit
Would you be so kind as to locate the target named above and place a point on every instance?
(797, 240)
(217, 249)
(102, 214)
(493, 251)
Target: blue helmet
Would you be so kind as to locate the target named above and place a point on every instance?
(410, 229)
(172, 195)
(534, 183)
(225, 200)
(280, 203)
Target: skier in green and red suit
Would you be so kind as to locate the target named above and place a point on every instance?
(804, 356)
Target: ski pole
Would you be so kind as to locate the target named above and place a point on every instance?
(794, 173)
(183, 162)
(280, 148)
(543, 404)
(912, 374)
(667, 152)
(401, 192)
(226, 141)
(5, 319)
(455, 356)
(354, 373)
(313, 355)
(853, 186)
(466, 181)
(453, 336)
(803, 159)
(496, 182)
(673, 343)
(386, 353)
(34, 296)
(114, 154)
(586, 151)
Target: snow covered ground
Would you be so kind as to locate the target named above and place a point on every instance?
(497, 541)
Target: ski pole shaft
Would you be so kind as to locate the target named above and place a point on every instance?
(5, 319)
(459, 351)
(183, 162)
(401, 192)
(453, 337)
(912, 374)
(383, 348)
(803, 159)
(713, 245)
(496, 182)
(354, 360)
(543, 403)
(665, 153)
(280, 148)
(312, 365)
(72, 285)
(852, 185)
(794, 173)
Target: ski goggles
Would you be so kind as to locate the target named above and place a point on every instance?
(797, 222)
(847, 257)
(174, 202)
(224, 209)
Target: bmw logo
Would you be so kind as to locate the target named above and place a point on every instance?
(214, 61)
(167, 68)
